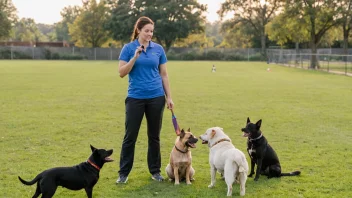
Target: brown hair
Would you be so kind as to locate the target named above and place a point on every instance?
(141, 22)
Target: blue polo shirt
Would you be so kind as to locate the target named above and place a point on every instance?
(144, 78)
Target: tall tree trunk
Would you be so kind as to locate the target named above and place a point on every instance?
(345, 42)
(296, 54)
(263, 43)
(167, 45)
(313, 44)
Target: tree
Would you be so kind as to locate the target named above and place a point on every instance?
(175, 19)
(195, 41)
(346, 22)
(212, 31)
(238, 36)
(256, 13)
(319, 16)
(47, 31)
(88, 28)
(8, 17)
(284, 28)
(26, 30)
(68, 14)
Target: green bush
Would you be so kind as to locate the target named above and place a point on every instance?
(189, 56)
(55, 56)
(256, 57)
(72, 57)
(47, 54)
(213, 55)
(6, 54)
(234, 57)
(172, 56)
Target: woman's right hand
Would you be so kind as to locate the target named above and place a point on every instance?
(138, 51)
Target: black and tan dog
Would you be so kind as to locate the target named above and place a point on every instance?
(180, 166)
(84, 175)
(262, 154)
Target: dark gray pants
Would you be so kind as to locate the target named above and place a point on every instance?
(135, 109)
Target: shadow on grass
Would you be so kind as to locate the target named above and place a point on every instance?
(146, 187)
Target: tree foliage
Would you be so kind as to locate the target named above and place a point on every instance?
(175, 19)
(195, 41)
(26, 30)
(318, 16)
(88, 28)
(8, 17)
(238, 36)
(346, 21)
(212, 32)
(256, 13)
(68, 14)
(284, 28)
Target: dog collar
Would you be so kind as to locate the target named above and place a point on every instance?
(94, 165)
(221, 140)
(181, 150)
(261, 135)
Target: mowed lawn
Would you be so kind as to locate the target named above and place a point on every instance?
(52, 110)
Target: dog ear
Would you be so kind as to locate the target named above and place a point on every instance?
(182, 134)
(213, 132)
(189, 130)
(92, 148)
(258, 124)
(248, 120)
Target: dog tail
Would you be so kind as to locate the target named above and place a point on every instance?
(294, 173)
(37, 178)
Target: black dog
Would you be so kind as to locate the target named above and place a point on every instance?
(262, 153)
(84, 175)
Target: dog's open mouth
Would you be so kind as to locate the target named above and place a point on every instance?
(108, 159)
(245, 134)
(192, 145)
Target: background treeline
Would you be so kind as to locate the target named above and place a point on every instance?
(182, 23)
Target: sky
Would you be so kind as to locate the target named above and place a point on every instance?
(48, 11)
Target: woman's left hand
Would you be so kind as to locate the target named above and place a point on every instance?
(169, 103)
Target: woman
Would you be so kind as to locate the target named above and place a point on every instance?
(145, 63)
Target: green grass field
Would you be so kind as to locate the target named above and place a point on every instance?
(52, 110)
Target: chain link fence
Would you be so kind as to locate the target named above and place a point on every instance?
(55, 53)
(329, 60)
(76, 53)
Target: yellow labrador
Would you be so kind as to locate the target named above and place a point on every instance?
(226, 159)
(180, 166)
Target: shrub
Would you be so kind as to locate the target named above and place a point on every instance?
(213, 55)
(189, 56)
(6, 54)
(256, 57)
(55, 56)
(234, 57)
(72, 57)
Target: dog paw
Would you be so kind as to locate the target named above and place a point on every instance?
(256, 179)
(189, 183)
(210, 186)
(250, 175)
(177, 183)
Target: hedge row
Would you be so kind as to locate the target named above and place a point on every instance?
(6, 54)
(213, 55)
(59, 56)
